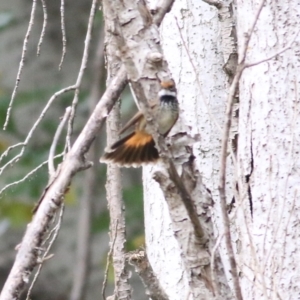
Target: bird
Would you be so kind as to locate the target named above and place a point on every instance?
(138, 147)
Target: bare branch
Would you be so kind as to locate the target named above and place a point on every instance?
(45, 255)
(85, 213)
(63, 32)
(290, 44)
(31, 131)
(45, 15)
(109, 256)
(52, 197)
(223, 159)
(222, 183)
(28, 174)
(21, 65)
(83, 66)
(117, 212)
(114, 197)
(165, 6)
(142, 266)
(60, 127)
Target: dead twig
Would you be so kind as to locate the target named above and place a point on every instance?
(51, 167)
(109, 256)
(83, 66)
(142, 266)
(223, 159)
(63, 32)
(21, 65)
(45, 255)
(45, 19)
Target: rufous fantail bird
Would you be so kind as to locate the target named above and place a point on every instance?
(138, 147)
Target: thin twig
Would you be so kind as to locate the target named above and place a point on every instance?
(83, 66)
(44, 258)
(109, 257)
(223, 160)
(290, 44)
(32, 130)
(63, 32)
(45, 18)
(28, 174)
(165, 7)
(85, 213)
(143, 267)
(52, 197)
(51, 168)
(212, 264)
(21, 65)
(248, 35)
(233, 88)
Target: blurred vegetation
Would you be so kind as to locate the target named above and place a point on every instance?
(17, 202)
(39, 81)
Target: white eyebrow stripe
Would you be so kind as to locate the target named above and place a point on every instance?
(164, 92)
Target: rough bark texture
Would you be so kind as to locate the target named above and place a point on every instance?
(268, 154)
(114, 181)
(201, 85)
(53, 196)
(141, 54)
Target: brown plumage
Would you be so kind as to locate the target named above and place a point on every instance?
(135, 148)
(138, 147)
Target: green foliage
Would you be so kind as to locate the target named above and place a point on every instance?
(17, 211)
(6, 19)
(17, 202)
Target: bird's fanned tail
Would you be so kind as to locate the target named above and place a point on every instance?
(133, 150)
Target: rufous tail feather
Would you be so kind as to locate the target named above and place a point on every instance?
(134, 150)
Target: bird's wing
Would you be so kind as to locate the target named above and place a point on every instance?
(136, 118)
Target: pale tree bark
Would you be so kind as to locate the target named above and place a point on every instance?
(268, 154)
(114, 181)
(85, 213)
(193, 48)
(263, 248)
(212, 256)
(28, 255)
(142, 57)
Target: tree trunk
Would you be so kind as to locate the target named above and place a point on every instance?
(268, 154)
(262, 165)
(191, 44)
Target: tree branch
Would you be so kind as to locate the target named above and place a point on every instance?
(53, 195)
(51, 167)
(138, 44)
(142, 266)
(223, 160)
(83, 255)
(114, 185)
